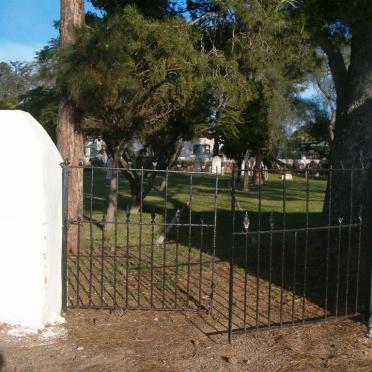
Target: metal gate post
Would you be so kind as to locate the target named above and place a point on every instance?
(231, 277)
(369, 249)
(65, 182)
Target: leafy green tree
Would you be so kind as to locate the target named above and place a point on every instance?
(272, 59)
(42, 104)
(142, 79)
(148, 8)
(336, 26)
(16, 78)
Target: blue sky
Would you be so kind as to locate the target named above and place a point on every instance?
(26, 26)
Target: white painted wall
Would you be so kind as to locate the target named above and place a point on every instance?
(30, 223)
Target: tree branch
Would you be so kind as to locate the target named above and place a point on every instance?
(337, 66)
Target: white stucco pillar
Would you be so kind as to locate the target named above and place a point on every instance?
(30, 223)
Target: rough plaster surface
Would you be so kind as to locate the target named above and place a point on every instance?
(30, 223)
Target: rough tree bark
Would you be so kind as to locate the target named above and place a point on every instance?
(258, 178)
(172, 160)
(69, 126)
(353, 127)
(112, 205)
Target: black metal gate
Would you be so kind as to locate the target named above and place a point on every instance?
(159, 254)
(293, 267)
(286, 263)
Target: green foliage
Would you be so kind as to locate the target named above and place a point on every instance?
(273, 58)
(337, 17)
(148, 8)
(15, 79)
(145, 79)
(42, 104)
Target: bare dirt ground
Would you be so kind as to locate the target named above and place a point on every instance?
(96, 340)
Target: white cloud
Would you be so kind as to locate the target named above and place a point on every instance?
(14, 51)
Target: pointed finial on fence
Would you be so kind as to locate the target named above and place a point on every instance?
(342, 165)
(154, 164)
(153, 215)
(360, 217)
(246, 221)
(340, 219)
(127, 213)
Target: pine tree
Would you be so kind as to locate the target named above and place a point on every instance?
(69, 128)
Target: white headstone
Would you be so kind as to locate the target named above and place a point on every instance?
(287, 177)
(216, 165)
(30, 223)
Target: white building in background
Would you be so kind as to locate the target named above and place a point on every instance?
(201, 148)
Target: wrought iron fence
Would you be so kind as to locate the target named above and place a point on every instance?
(282, 253)
(284, 274)
(158, 255)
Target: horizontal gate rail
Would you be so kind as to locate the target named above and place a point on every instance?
(292, 275)
(141, 259)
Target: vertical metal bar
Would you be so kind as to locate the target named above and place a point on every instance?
(231, 274)
(152, 260)
(211, 298)
(283, 249)
(176, 258)
(258, 248)
(330, 180)
(358, 260)
(102, 258)
(189, 247)
(116, 234)
(65, 228)
(91, 249)
(294, 279)
(367, 277)
(270, 268)
(201, 263)
(127, 222)
(349, 242)
(140, 245)
(245, 280)
(165, 237)
(306, 246)
(338, 264)
(78, 261)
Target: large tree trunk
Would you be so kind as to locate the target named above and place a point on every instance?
(112, 206)
(353, 140)
(172, 160)
(258, 178)
(69, 126)
(353, 127)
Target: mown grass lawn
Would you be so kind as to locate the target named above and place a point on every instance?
(130, 255)
(203, 202)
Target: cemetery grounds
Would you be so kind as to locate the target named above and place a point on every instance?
(136, 340)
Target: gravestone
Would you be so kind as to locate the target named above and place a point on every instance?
(287, 177)
(216, 165)
(30, 223)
